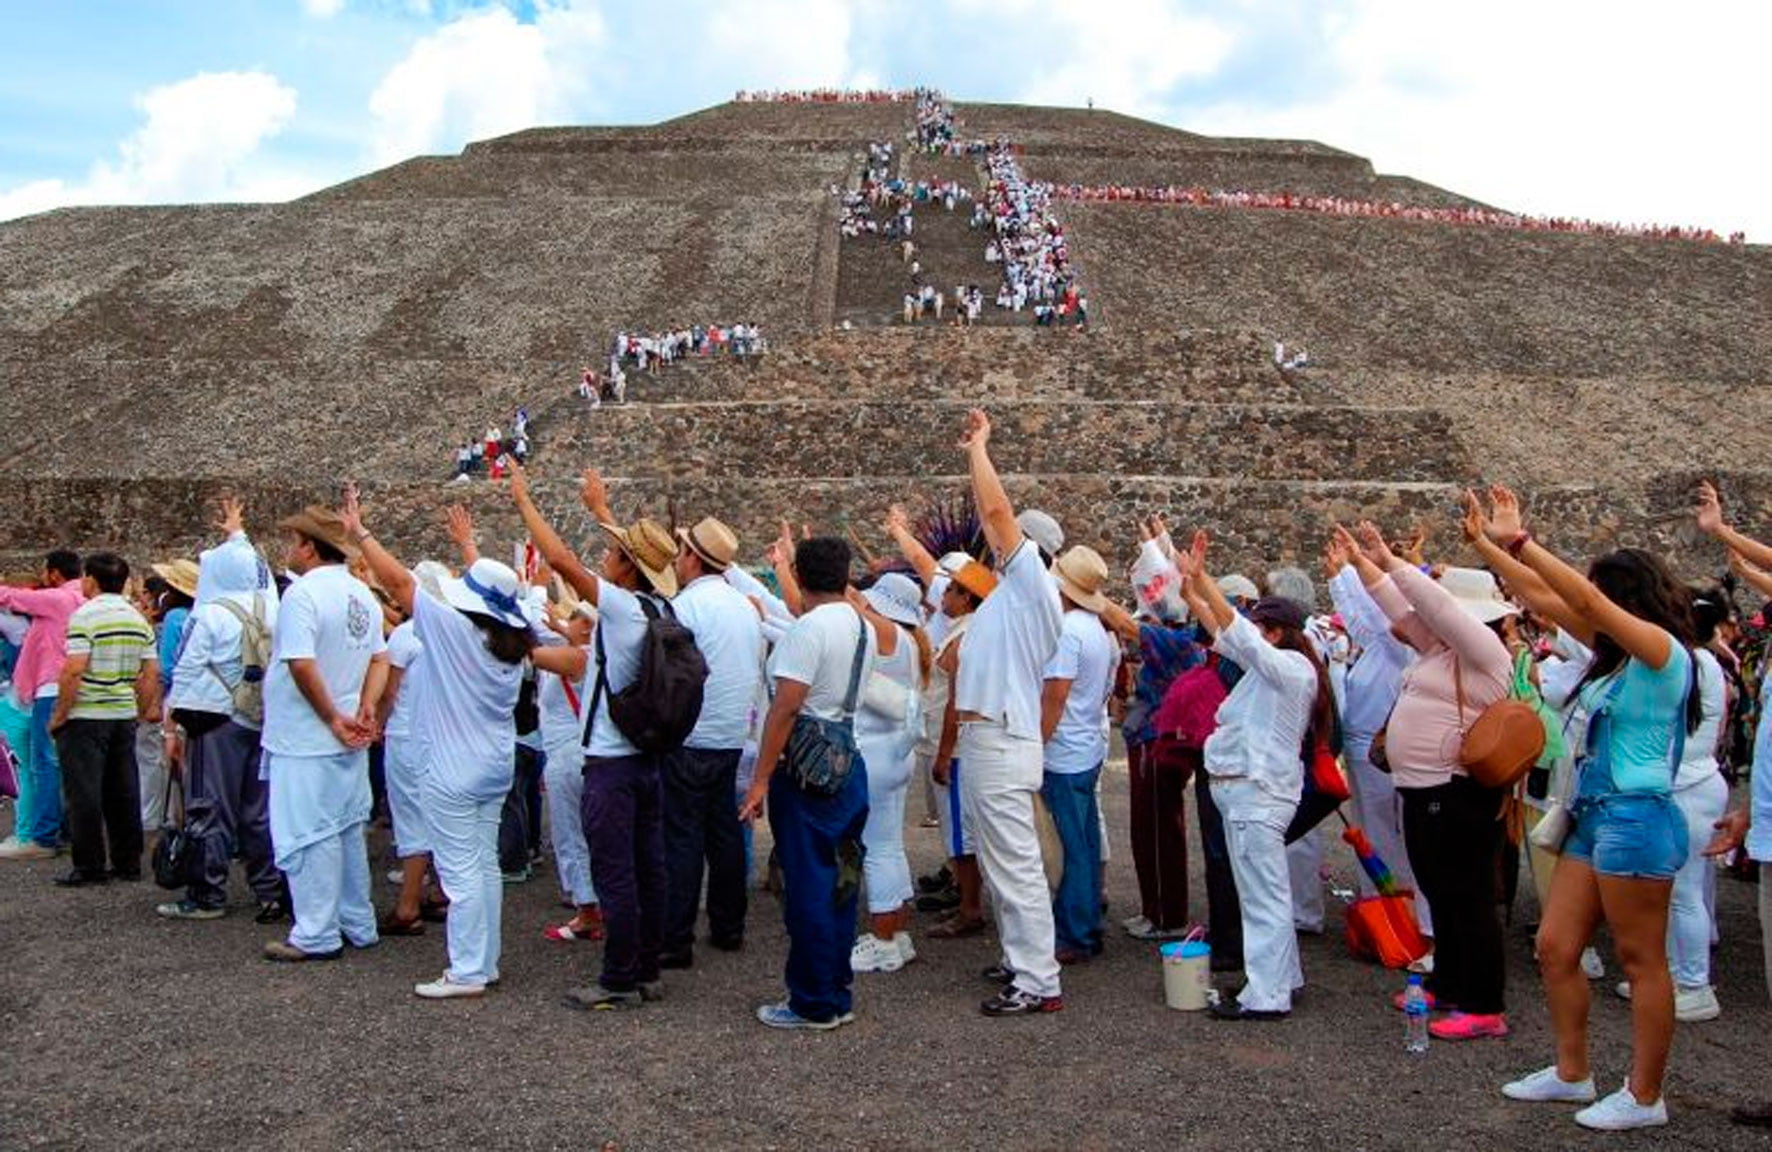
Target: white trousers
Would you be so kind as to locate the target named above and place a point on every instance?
(1002, 775)
(412, 832)
(1255, 833)
(886, 868)
(1304, 873)
(1689, 917)
(1379, 812)
(150, 767)
(329, 888)
(565, 779)
(464, 848)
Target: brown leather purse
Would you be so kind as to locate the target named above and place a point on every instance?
(1502, 743)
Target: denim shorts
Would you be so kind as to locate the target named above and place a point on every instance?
(1622, 834)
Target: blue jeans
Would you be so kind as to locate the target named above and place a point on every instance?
(40, 783)
(818, 843)
(1076, 906)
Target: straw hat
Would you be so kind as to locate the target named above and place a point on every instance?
(1477, 593)
(896, 597)
(651, 548)
(318, 522)
(713, 541)
(180, 574)
(1081, 572)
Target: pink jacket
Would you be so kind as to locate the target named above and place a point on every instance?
(1426, 727)
(46, 643)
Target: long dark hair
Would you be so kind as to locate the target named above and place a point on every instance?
(1323, 728)
(508, 645)
(1638, 582)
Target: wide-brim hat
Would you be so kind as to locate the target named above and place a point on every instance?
(1477, 593)
(488, 588)
(318, 522)
(713, 541)
(181, 575)
(896, 597)
(652, 550)
(1081, 573)
(976, 578)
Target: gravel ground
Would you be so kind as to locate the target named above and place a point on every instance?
(120, 1030)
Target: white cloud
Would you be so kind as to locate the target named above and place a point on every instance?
(1569, 108)
(199, 141)
(1126, 58)
(483, 74)
(322, 9)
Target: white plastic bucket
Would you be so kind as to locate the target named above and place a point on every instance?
(1187, 974)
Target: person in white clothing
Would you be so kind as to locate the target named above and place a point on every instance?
(702, 833)
(997, 699)
(1074, 726)
(1255, 761)
(475, 640)
(328, 667)
(886, 729)
(560, 698)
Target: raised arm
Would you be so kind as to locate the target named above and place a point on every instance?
(553, 549)
(1709, 514)
(995, 512)
(1756, 578)
(461, 530)
(1528, 585)
(1590, 608)
(1205, 599)
(898, 526)
(388, 571)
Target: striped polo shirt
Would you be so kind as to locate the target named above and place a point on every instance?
(115, 639)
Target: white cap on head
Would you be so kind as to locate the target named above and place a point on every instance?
(1042, 529)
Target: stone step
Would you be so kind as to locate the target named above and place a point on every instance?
(785, 439)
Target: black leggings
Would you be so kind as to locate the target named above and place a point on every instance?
(1453, 836)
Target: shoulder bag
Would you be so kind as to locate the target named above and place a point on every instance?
(821, 753)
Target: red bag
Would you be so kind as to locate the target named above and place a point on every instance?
(1327, 778)
(1189, 711)
(1383, 928)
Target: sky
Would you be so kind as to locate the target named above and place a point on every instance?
(1618, 112)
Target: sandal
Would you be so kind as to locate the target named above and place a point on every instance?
(567, 933)
(388, 924)
(956, 927)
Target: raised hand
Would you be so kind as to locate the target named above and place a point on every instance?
(1335, 556)
(897, 522)
(1709, 510)
(1505, 520)
(230, 515)
(1414, 549)
(350, 509)
(1475, 524)
(1373, 546)
(519, 483)
(460, 523)
(593, 493)
(977, 432)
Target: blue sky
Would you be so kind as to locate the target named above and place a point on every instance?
(1569, 107)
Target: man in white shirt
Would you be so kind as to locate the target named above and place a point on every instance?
(997, 697)
(623, 794)
(328, 668)
(213, 738)
(701, 825)
(1074, 725)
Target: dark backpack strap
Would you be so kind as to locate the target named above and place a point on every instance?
(601, 687)
(861, 651)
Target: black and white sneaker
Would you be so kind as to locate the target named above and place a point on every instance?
(1012, 1001)
(999, 974)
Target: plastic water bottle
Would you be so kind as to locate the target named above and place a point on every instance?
(1415, 1015)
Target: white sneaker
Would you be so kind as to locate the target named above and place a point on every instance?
(872, 954)
(1546, 1087)
(443, 988)
(1425, 965)
(396, 877)
(1623, 989)
(1695, 1005)
(1137, 927)
(1592, 966)
(1620, 1111)
(12, 848)
(906, 949)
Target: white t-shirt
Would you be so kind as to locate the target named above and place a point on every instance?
(463, 727)
(621, 623)
(730, 636)
(1087, 656)
(404, 652)
(330, 617)
(819, 651)
(1012, 636)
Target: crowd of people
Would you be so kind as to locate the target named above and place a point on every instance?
(1347, 206)
(493, 454)
(827, 96)
(652, 353)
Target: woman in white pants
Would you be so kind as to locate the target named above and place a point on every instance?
(1255, 760)
(886, 727)
(559, 697)
(476, 640)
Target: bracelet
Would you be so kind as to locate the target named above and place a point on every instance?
(1518, 543)
(363, 535)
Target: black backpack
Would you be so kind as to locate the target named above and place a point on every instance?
(659, 709)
